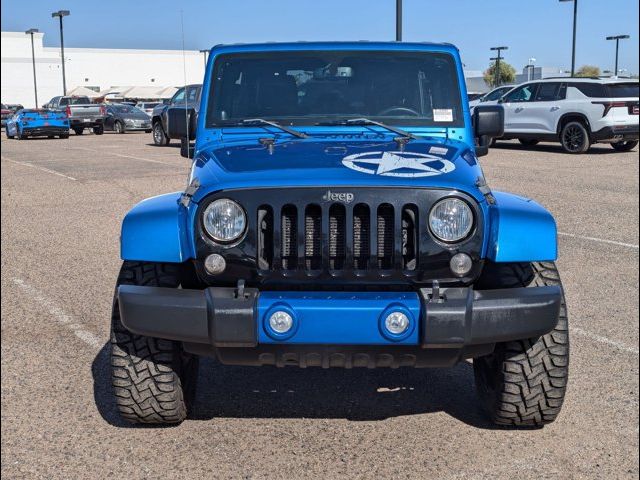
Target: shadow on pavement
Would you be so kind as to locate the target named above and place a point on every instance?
(597, 149)
(356, 395)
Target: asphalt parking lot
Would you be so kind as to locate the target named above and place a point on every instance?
(62, 204)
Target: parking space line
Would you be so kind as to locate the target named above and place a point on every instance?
(25, 164)
(59, 315)
(122, 155)
(607, 341)
(600, 240)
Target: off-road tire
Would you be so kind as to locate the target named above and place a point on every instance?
(574, 137)
(78, 131)
(153, 379)
(523, 383)
(159, 137)
(528, 142)
(625, 146)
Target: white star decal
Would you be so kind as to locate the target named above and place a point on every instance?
(412, 164)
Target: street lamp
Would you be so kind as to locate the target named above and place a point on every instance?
(617, 38)
(532, 69)
(497, 60)
(31, 31)
(60, 14)
(398, 20)
(204, 53)
(573, 48)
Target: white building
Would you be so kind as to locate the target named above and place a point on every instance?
(95, 68)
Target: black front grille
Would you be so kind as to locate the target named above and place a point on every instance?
(296, 238)
(338, 237)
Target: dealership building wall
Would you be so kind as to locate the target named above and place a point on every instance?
(88, 67)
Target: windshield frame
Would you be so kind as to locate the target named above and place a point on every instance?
(211, 97)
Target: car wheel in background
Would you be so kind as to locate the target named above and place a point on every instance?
(148, 131)
(159, 137)
(574, 138)
(625, 146)
(527, 142)
(99, 130)
(64, 135)
(79, 131)
(51, 136)
(8, 135)
(118, 127)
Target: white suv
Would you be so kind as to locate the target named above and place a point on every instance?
(577, 112)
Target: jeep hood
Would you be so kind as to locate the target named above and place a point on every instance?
(313, 162)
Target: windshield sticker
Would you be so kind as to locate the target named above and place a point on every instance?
(442, 115)
(438, 150)
(398, 164)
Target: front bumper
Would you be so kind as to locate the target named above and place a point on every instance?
(340, 328)
(617, 133)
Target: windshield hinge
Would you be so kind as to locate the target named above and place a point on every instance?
(481, 183)
(185, 198)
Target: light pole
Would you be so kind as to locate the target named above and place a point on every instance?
(398, 20)
(497, 59)
(60, 14)
(204, 53)
(31, 31)
(617, 38)
(573, 48)
(532, 69)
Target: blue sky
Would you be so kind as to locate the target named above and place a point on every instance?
(531, 28)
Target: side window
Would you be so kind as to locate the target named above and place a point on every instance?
(522, 94)
(178, 97)
(591, 90)
(547, 92)
(192, 94)
(64, 101)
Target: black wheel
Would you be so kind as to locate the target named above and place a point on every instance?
(493, 142)
(527, 142)
(79, 131)
(7, 133)
(625, 146)
(51, 136)
(523, 383)
(153, 379)
(118, 127)
(64, 135)
(159, 137)
(98, 130)
(148, 131)
(575, 138)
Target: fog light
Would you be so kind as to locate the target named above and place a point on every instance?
(461, 264)
(396, 323)
(215, 264)
(280, 322)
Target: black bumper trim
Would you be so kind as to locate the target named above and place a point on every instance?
(626, 132)
(458, 318)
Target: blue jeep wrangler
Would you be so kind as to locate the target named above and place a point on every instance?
(336, 216)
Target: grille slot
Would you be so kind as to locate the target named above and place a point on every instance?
(361, 234)
(409, 237)
(337, 237)
(265, 237)
(385, 236)
(289, 237)
(313, 237)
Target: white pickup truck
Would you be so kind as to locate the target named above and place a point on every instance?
(81, 112)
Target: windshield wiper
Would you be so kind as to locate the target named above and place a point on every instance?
(368, 121)
(262, 121)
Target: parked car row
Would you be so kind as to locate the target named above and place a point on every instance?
(64, 113)
(576, 112)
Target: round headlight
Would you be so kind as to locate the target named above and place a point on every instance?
(451, 220)
(224, 220)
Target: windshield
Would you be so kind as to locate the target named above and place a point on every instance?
(125, 109)
(305, 88)
(496, 94)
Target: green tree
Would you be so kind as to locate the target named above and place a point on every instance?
(588, 71)
(507, 74)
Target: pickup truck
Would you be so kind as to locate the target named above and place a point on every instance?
(337, 216)
(81, 113)
(181, 111)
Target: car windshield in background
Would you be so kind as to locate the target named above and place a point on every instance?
(126, 109)
(623, 89)
(306, 88)
(496, 94)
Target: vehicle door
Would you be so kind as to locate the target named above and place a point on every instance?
(546, 108)
(109, 119)
(517, 118)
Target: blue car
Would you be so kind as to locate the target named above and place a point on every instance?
(37, 123)
(336, 216)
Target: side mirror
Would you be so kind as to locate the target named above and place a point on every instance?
(488, 123)
(187, 148)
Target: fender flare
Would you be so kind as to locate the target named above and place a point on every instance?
(521, 230)
(156, 230)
